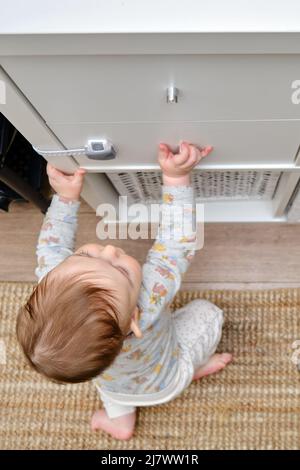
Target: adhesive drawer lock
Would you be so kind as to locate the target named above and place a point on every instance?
(100, 149)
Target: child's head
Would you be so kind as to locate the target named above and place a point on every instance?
(75, 321)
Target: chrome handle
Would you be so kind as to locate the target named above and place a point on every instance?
(172, 94)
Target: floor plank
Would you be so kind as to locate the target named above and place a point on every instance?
(242, 255)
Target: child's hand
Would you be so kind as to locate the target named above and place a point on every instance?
(176, 168)
(68, 187)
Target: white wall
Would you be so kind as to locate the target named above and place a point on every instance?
(88, 16)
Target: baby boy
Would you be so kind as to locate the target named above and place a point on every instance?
(97, 314)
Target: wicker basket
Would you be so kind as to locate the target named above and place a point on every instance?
(145, 186)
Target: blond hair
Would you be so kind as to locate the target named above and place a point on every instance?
(69, 329)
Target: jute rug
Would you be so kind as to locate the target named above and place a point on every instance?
(252, 404)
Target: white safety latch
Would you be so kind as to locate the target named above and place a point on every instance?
(97, 149)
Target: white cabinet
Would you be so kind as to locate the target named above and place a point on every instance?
(238, 88)
(126, 88)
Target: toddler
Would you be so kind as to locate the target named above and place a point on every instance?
(97, 314)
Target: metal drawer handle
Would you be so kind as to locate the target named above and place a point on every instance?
(172, 94)
(101, 149)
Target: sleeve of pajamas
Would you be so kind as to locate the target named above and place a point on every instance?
(172, 251)
(166, 263)
(57, 236)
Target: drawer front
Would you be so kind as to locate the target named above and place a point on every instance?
(256, 143)
(118, 88)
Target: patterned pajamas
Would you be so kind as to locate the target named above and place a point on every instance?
(198, 326)
(159, 366)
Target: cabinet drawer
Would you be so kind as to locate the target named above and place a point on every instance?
(122, 88)
(255, 143)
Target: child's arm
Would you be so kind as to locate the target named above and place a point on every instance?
(174, 247)
(57, 236)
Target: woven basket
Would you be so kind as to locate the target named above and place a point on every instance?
(145, 186)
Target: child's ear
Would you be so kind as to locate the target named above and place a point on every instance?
(136, 329)
(134, 325)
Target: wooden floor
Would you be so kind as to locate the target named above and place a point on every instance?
(234, 255)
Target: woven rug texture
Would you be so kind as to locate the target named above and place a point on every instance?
(252, 404)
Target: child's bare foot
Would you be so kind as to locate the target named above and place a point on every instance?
(214, 364)
(120, 428)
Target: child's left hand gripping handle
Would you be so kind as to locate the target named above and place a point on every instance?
(67, 187)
